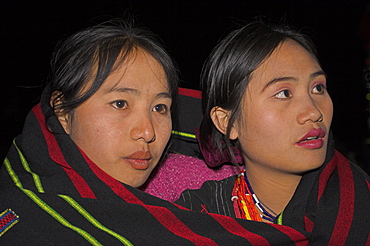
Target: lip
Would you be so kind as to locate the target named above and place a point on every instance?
(318, 134)
(139, 160)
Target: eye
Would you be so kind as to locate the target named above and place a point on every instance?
(284, 94)
(160, 108)
(319, 89)
(120, 104)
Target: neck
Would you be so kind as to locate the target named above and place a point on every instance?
(273, 188)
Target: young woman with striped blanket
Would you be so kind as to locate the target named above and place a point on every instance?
(268, 109)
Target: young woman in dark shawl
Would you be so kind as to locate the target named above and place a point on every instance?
(100, 128)
(267, 107)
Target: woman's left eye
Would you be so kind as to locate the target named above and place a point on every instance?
(160, 108)
(319, 89)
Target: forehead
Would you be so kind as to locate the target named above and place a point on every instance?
(138, 70)
(289, 59)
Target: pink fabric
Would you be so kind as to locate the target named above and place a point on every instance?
(213, 157)
(181, 172)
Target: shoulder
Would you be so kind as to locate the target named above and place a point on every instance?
(359, 172)
(211, 185)
(346, 167)
(213, 196)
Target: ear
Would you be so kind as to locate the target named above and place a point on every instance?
(220, 118)
(62, 116)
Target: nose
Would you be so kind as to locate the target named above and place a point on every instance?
(143, 129)
(309, 111)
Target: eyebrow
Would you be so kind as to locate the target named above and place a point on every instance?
(282, 79)
(136, 92)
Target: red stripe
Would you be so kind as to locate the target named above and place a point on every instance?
(190, 93)
(56, 155)
(308, 224)
(163, 215)
(177, 227)
(180, 207)
(114, 184)
(324, 178)
(297, 237)
(346, 202)
(235, 228)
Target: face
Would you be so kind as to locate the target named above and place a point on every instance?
(124, 127)
(286, 113)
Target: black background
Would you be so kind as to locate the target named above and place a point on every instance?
(189, 29)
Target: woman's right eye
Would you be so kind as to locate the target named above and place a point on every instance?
(120, 104)
(284, 94)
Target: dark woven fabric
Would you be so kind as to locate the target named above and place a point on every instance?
(62, 198)
(188, 119)
(332, 203)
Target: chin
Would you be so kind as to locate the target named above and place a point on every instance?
(307, 163)
(137, 182)
(313, 165)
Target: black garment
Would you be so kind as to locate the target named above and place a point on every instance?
(213, 197)
(332, 203)
(51, 193)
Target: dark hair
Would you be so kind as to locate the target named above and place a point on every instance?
(94, 53)
(227, 73)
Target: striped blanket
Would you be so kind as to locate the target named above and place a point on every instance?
(52, 194)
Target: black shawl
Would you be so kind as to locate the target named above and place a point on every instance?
(52, 194)
(331, 203)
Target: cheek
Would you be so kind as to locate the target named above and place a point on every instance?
(163, 129)
(92, 127)
(329, 111)
(264, 129)
(269, 119)
(325, 106)
(264, 123)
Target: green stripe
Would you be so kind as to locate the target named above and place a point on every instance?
(184, 134)
(25, 165)
(46, 207)
(60, 218)
(70, 201)
(280, 219)
(12, 174)
(93, 221)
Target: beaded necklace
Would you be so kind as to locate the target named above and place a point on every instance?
(245, 201)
